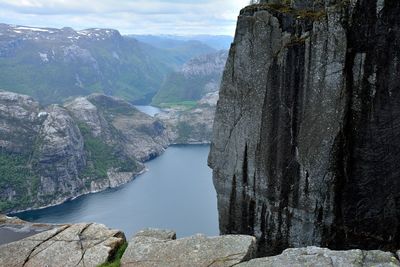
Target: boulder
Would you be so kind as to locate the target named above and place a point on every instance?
(156, 248)
(157, 233)
(13, 229)
(323, 257)
(68, 245)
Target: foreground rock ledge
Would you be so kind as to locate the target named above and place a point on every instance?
(93, 244)
(13, 229)
(322, 257)
(158, 248)
(68, 245)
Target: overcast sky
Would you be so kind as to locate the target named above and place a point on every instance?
(184, 17)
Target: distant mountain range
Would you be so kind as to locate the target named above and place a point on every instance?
(218, 42)
(198, 77)
(88, 141)
(54, 65)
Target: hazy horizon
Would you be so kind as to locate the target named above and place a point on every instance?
(153, 17)
(165, 35)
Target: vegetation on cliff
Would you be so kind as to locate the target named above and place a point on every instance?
(58, 153)
(102, 157)
(17, 176)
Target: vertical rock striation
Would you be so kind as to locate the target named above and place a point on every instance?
(306, 138)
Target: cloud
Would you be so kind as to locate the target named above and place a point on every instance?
(128, 16)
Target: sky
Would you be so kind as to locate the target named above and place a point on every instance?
(182, 17)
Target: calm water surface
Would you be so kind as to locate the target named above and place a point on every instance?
(176, 193)
(150, 110)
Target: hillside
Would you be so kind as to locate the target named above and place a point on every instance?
(193, 124)
(196, 78)
(217, 42)
(53, 65)
(51, 154)
(174, 52)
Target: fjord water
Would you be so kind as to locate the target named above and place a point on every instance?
(175, 193)
(149, 110)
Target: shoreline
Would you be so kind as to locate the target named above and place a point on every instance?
(14, 213)
(145, 169)
(191, 143)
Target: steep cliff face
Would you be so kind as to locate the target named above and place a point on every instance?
(58, 157)
(306, 135)
(49, 155)
(120, 124)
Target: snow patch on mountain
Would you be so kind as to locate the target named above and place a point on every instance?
(32, 29)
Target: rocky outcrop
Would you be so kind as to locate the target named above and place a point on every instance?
(162, 234)
(59, 156)
(13, 229)
(86, 112)
(191, 126)
(68, 245)
(305, 138)
(51, 154)
(322, 257)
(155, 248)
(20, 121)
(140, 136)
(42, 153)
(94, 244)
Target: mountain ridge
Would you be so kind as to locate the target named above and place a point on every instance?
(55, 153)
(54, 65)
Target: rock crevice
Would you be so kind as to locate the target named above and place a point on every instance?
(68, 245)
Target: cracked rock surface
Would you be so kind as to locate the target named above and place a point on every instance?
(68, 245)
(154, 248)
(13, 229)
(314, 256)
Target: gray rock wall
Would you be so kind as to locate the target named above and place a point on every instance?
(60, 156)
(118, 123)
(49, 155)
(305, 138)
